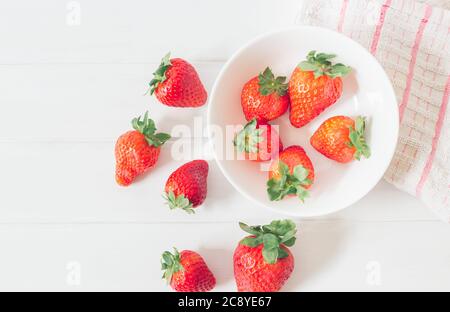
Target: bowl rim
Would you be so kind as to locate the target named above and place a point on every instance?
(261, 37)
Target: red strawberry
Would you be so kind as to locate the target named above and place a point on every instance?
(265, 97)
(259, 141)
(186, 187)
(291, 174)
(137, 151)
(315, 85)
(262, 261)
(342, 139)
(176, 83)
(187, 271)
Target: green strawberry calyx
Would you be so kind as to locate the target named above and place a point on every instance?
(170, 264)
(320, 64)
(272, 236)
(268, 84)
(247, 139)
(289, 184)
(147, 127)
(358, 140)
(159, 76)
(179, 202)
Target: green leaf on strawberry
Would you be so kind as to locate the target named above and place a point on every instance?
(254, 230)
(147, 127)
(268, 84)
(159, 76)
(339, 70)
(272, 236)
(170, 264)
(358, 140)
(320, 64)
(179, 202)
(247, 139)
(270, 255)
(282, 253)
(252, 241)
(289, 184)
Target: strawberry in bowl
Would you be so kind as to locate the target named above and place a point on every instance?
(265, 97)
(315, 85)
(345, 81)
(292, 174)
(258, 141)
(342, 139)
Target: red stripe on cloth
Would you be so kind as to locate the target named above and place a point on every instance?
(412, 63)
(437, 134)
(377, 34)
(342, 15)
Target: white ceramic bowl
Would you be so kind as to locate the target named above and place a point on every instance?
(367, 91)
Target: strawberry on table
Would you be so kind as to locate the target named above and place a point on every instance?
(137, 151)
(262, 261)
(176, 83)
(259, 141)
(186, 187)
(265, 97)
(342, 139)
(186, 271)
(292, 173)
(315, 85)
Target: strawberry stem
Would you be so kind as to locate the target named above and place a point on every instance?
(358, 140)
(170, 264)
(320, 64)
(268, 84)
(147, 127)
(179, 202)
(272, 236)
(248, 138)
(159, 76)
(289, 184)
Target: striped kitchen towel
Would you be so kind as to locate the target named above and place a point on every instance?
(411, 40)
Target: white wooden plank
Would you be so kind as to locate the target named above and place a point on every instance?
(330, 256)
(75, 183)
(68, 182)
(101, 31)
(85, 102)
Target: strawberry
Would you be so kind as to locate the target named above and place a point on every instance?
(291, 174)
(315, 85)
(186, 271)
(137, 151)
(176, 83)
(259, 141)
(186, 187)
(262, 261)
(265, 97)
(342, 139)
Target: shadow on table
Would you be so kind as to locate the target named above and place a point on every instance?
(220, 191)
(220, 262)
(317, 246)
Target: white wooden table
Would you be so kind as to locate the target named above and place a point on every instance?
(73, 74)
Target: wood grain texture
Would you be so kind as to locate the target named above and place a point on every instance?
(48, 182)
(330, 256)
(122, 32)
